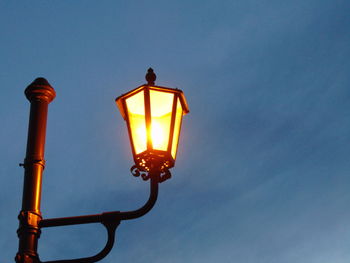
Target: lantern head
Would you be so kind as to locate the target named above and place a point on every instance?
(153, 115)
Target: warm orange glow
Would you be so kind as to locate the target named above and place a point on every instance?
(161, 108)
(177, 126)
(160, 133)
(136, 112)
(154, 116)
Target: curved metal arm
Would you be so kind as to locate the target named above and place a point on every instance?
(109, 219)
(147, 206)
(110, 227)
(98, 218)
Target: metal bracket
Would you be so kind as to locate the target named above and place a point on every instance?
(110, 220)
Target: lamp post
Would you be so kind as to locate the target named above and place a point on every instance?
(153, 115)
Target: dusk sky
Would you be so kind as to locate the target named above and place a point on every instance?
(262, 173)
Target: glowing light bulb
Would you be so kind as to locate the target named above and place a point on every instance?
(158, 136)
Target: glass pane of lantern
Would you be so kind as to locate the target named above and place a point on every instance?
(161, 108)
(136, 113)
(177, 126)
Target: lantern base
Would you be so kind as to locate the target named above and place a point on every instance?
(154, 160)
(160, 175)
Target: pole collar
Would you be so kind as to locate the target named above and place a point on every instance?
(40, 89)
(29, 224)
(29, 162)
(29, 218)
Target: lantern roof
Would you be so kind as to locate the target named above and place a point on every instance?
(119, 100)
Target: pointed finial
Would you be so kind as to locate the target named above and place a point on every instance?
(150, 77)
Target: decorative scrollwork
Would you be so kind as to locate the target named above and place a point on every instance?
(163, 175)
(137, 170)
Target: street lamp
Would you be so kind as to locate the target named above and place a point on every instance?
(153, 115)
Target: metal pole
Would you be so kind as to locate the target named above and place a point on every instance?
(40, 94)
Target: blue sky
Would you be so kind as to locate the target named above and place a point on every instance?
(262, 173)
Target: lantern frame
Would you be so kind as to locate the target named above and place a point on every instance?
(151, 157)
